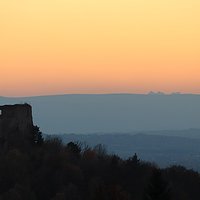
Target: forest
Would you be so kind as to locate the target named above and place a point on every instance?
(50, 170)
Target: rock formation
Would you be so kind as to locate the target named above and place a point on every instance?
(16, 123)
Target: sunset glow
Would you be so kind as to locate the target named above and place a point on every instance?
(99, 46)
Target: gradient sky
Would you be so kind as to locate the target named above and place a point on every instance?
(99, 46)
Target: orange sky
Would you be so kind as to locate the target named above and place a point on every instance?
(99, 46)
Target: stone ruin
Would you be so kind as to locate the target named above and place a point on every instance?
(16, 122)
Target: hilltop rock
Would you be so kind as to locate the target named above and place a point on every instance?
(16, 125)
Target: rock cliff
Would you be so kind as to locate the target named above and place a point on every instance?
(16, 122)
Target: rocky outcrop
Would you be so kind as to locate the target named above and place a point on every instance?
(16, 123)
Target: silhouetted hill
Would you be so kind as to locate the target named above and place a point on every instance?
(161, 149)
(36, 169)
(54, 171)
(113, 112)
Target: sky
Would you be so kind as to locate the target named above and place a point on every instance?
(99, 46)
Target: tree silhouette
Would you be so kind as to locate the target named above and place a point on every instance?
(74, 147)
(158, 188)
(37, 136)
(133, 160)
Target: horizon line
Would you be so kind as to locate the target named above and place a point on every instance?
(115, 93)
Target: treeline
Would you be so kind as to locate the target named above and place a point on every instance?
(50, 170)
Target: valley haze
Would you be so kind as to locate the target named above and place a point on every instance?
(112, 113)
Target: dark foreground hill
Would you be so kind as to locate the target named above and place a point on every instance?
(161, 149)
(32, 168)
(53, 171)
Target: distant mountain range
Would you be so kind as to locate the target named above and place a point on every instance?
(115, 113)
